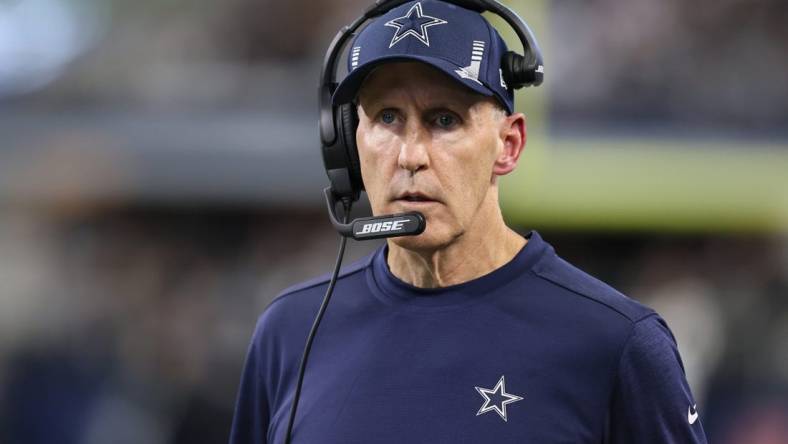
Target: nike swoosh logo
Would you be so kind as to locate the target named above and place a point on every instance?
(692, 417)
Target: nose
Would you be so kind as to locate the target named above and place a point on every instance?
(413, 153)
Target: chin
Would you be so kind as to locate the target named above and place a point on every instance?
(430, 240)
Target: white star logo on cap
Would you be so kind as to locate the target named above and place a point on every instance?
(408, 24)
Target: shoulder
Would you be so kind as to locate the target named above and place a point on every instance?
(321, 282)
(301, 300)
(588, 291)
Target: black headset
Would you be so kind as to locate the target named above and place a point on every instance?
(338, 123)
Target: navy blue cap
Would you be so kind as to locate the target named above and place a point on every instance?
(457, 41)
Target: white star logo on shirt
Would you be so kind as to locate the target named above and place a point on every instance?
(409, 23)
(502, 399)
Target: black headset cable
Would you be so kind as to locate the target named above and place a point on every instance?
(346, 204)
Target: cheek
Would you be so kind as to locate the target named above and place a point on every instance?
(471, 170)
(373, 149)
(465, 175)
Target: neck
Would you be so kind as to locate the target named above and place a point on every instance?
(485, 246)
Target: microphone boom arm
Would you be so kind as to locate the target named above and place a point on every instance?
(391, 225)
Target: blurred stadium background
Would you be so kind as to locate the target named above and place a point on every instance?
(160, 182)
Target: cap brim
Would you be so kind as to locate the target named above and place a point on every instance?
(349, 86)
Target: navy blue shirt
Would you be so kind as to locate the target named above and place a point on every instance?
(534, 352)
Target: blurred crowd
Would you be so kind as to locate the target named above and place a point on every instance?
(131, 325)
(717, 65)
(707, 66)
(125, 318)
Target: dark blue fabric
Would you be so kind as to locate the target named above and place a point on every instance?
(564, 356)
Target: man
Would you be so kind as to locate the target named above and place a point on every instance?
(467, 332)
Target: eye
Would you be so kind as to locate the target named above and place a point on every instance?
(388, 116)
(446, 120)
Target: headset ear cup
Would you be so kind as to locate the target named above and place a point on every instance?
(517, 74)
(348, 131)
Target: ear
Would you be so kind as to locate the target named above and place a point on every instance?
(513, 135)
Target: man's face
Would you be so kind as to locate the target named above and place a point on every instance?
(428, 144)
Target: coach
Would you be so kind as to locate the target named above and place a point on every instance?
(468, 332)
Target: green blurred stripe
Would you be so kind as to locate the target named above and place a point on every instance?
(650, 185)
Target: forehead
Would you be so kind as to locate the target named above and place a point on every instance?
(415, 81)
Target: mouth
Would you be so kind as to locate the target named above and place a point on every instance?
(415, 198)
